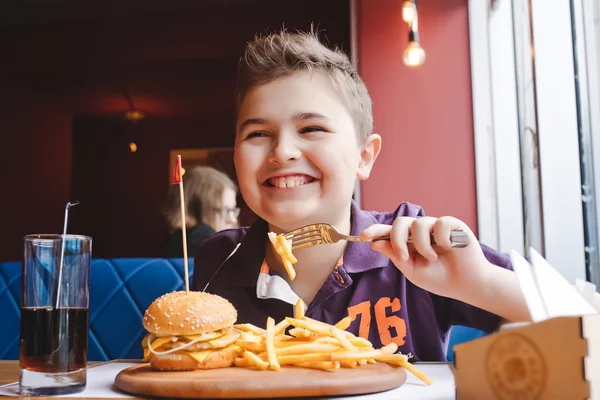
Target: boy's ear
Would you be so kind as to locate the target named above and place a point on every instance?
(368, 154)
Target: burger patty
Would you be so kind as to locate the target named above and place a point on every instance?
(230, 336)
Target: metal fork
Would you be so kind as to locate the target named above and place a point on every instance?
(314, 234)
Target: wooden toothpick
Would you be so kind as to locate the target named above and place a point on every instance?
(178, 178)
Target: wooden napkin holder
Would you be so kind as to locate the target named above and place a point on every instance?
(558, 358)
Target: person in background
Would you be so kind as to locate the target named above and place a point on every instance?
(210, 206)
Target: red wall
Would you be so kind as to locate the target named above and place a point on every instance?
(35, 165)
(424, 115)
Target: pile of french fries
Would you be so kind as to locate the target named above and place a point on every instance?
(313, 344)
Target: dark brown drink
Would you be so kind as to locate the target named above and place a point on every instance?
(54, 339)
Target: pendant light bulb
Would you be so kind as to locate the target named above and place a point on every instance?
(414, 55)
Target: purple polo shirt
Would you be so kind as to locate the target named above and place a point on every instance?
(386, 306)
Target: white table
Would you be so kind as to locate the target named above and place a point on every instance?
(100, 381)
(442, 388)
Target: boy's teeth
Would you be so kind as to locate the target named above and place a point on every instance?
(288, 182)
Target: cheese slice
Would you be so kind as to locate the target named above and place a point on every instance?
(145, 341)
(233, 346)
(147, 354)
(199, 356)
(204, 336)
(161, 341)
(214, 342)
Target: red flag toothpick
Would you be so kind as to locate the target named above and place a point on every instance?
(177, 179)
(177, 171)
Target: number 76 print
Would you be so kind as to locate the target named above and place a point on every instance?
(384, 322)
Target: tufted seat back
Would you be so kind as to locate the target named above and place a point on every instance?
(120, 291)
(10, 298)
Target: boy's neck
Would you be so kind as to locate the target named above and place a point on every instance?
(315, 263)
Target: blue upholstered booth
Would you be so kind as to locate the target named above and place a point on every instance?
(10, 295)
(460, 334)
(120, 291)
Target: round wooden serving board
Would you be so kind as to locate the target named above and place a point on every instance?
(235, 383)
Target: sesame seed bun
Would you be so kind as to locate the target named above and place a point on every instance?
(222, 358)
(193, 313)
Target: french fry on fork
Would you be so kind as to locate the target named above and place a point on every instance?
(283, 247)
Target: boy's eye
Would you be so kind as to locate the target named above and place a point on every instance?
(255, 134)
(310, 129)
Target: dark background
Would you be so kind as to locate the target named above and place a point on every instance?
(68, 72)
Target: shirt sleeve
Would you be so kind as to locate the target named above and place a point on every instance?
(454, 312)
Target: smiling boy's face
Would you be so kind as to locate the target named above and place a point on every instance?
(296, 152)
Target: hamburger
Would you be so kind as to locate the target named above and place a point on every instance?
(188, 331)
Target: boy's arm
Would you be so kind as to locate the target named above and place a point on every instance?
(495, 298)
(498, 290)
(503, 297)
(499, 293)
(472, 286)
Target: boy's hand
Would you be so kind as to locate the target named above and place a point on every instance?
(449, 272)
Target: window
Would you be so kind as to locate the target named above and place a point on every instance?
(535, 106)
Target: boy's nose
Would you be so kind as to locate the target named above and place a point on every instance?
(284, 150)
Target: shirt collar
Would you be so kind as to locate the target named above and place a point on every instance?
(358, 257)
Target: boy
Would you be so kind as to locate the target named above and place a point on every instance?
(303, 136)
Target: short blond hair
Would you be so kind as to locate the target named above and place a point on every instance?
(203, 189)
(269, 57)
